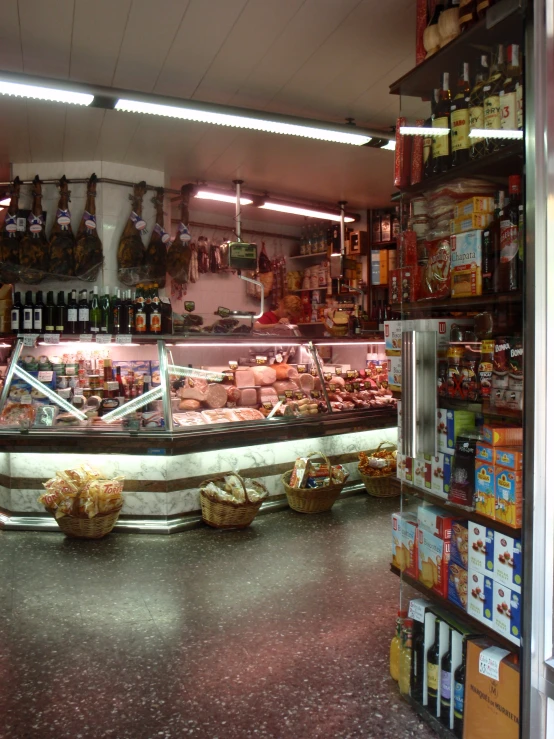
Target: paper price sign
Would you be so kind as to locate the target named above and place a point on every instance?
(103, 338)
(417, 610)
(77, 391)
(29, 339)
(123, 339)
(489, 662)
(45, 376)
(85, 337)
(51, 338)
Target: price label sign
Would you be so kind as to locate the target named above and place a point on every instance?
(348, 387)
(45, 376)
(85, 338)
(103, 338)
(77, 391)
(301, 368)
(29, 339)
(489, 662)
(417, 610)
(338, 371)
(51, 338)
(123, 339)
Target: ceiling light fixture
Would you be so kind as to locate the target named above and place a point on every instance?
(220, 196)
(423, 131)
(40, 92)
(6, 201)
(391, 146)
(491, 133)
(297, 211)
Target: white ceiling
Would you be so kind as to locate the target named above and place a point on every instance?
(326, 59)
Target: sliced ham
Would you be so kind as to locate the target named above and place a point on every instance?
(244, 378)
(306, 383)
(282, 385)
(191, 393)
(216, 396)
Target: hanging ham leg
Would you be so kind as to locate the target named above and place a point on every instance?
(88, 248)
(155, 257)
(62, 240)
(10, 238)
(179, 253)
(130, 253)
(33, 247)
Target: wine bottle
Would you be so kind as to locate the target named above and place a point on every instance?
(116, 312)
(459, 119)
(491, 99)
(130, 313)
(17, 314)
(428, 139)
(38, 314)
(105, 322)
(61, 313)
(446, 684)
(468, 14)
(433, 666)
(72, 313)
(155, 312)
(95, 312)
(28, 313)
(83, 324)
(508, 95)
(50, 314)
(476, 113)
(418, 662)
(491, 245)
(441, 142)
(459, 691)
(509, 242)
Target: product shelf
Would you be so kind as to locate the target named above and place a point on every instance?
(459, 510)
(438, 727)
(309, 256)
(460, 615)
(482, 408)
(383, 245)
(474, 303)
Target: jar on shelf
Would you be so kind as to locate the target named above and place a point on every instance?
(306, 282)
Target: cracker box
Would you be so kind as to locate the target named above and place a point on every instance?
(409, 470)
(484, 453)
(470, 222)
(457, 584)
(503, 435)
(459, 544)
(474, 205)
(509, 496)
(456, 422)
(507, 561)
(434, 520)
(419, 473)
(443, 327)
(480, 594)
(404, 543)
(466, 277)
(401, 467)
(507, 612)
(433, 558)
(438, 475)
(447, 474)
(480, 541)
(442, 436)
(394, 365)
(484, 489)
(393, 338)
(510, 458)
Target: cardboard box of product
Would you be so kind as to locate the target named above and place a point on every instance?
(510, 458)
(447, 474)
(438, 476)
(401, 467)
(466, 278)
(393, 338)
(443, 327)
(484, 489)
(491, 706)
(509, 496)
(404, 543)
(395, 372)
(456, 422)
(433, 558)
(503, 435)
(419, 473)
(474, 205)
(470, 222)
(480, 595)
(434, 520)
(459, 548)
(457, 584)
(409, 470)
(442, 435)
(484, 453)
(507, 612)
(507, 561)
(480, 548)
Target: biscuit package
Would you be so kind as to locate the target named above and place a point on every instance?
(82, 492)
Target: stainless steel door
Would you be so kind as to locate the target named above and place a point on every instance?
(419, 393)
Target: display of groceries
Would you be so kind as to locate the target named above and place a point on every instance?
(379, 463)
(308, 474)
(235, 489)
(82, 491)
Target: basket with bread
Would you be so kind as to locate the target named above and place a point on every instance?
(377, 469)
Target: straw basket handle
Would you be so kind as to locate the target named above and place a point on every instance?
(236, 474)
(325, 459)
(388, 443)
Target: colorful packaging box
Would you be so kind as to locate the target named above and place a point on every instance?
(474, 205)
(395, 372)
(401, 467)
(404, 543)
(438, 475)
(443, 327)
(459, 547)
(433, 558)
(509, 496)
(509, 458)
(480, 596)
(480, 548)
(466, 278)
(447, 474)
(507, 612)
(470, 222)
(403, 283)
(434, 520)
(442, 435)
(484, 453)
(507, 561)
(402, 156)
(457, 584)
(485, 502)
(456, 422)
(503, 435)
(419, 473)
(393, 338)
(409, 470)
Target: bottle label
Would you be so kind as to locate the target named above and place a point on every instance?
(476, 120)
(183, 232)
(71, 314)
(491, 112)
(432, 677)
(37, 317)
(27, 318)
(155, 323)
(508, 111)
(459, 132)
(519, 106)
(84, 314)
(458, 700)
(94, 329)
(508, 241)
(60, 329)
(140, 322)
(440, 143)
(15, 320)
(10, 223)
(90, 220)
(427, 146)
(446, 691)
(35, 223)
(140, 225)
(164, 236)
(63, 217)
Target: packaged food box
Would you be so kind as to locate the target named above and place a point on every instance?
(480, 204)
(438, 475)
(509, 496)
(480, 548)
(402, 160)
(419, 473)
(456, 423)
(404, 543)
(435, 274)
(462, 483)
(393, 337)
(507, 561)
(442, 435)
(457, 584)
(509, 458)
(491, 706)
(503, 435)
(403, 283)
(480, 596)
(459, 547)
(484, 489)
(394, 365)
(433, 558)
(470, 222)
(466, 278)
(447, 474)
(434, 520)
(409, 470)
(507, 612)
(443, 327)
(484, 453)
(401, 467)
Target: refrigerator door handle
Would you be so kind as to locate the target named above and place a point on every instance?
(426, 393)
(409, 429)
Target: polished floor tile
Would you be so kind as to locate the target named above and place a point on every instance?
(280, 631)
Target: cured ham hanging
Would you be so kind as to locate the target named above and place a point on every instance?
(88, 248)
(62, 240)
(33, 247)
(155, 256)
(10, 238)
(179, 253)
(131, 253)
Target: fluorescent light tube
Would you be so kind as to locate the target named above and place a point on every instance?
(23, 375)
(305, 212)
(238, 121)
(423, 131)
(211, 195)
(45, 93)
(492, 133)
(175, 369)
(272, 341)
(391, 146)
(133, 405)
(6, 201)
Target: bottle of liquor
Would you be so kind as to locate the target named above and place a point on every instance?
(468, 14)
(28, 313)
(459, 119)
(140, 315)
(155, 312)
(405, 666)
(441, 143)
(83, 324)
(72, 313)
(418, 662)
(459, 691)
(17, 314)
(395, 646)
(148, 290)
(38, 314)
(446, 684)
(508, 95)
(116, 312)
(491, 98)
(433, 671)
(482, 7)
(61, 313)
(428, 139)
(491, 245)
(519, 101)
(119, 380)
(129, 313)
(476, 113)
(509, 242)
(145, 388)
(105, 321)
(95, 312)
(50, 314)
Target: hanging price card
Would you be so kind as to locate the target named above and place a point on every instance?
(417, 610)
(29, 339)
(123, 339)
(489, 662)
(85, 338)
(103, 338)
(45, 376)
(51, 338)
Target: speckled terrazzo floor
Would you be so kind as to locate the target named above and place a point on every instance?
(280, 631)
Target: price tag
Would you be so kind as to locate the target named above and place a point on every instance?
(267, 405)
(288, 393)
(316, 394)
(367, 385)
(103, 338)
(357, 386)
(489, 662)
(26, 400)
(333, 388)
(417, 610)
(299, 395)
(85, 338)
(327, 376)
(77, 391)
(261, 359)
(281, 398)
(338, 371)
(51, 338)
(348, 387)
(45, 376)
(351, 374)
(123, 339)
(29, 339)
(301, 369)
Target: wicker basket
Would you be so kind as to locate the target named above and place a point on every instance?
(312, 500)
(383, 486)
(83, 527)
(223, 514)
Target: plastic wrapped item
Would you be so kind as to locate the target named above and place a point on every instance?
(80, 491)
(436, 273)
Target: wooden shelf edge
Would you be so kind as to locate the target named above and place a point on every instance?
(474, 303)
(456, 612)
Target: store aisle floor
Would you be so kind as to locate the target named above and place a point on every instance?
(280, 631)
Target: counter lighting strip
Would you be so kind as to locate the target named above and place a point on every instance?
(227, 345)
(133, 405)
(23, 375)
(191, 372)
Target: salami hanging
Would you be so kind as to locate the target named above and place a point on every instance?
(155, 256)
(10, 238)
(88, 248)
(179, 253)
(62, 240)
(130, 253)
(33, 247)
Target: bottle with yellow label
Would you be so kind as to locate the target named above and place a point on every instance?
(433, 670)
(396, 645)
(491, 99)
(459, 119)
(441, 120)
(406, 660)
(508, 95)
(476, 119)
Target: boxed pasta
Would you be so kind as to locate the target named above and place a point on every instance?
(470, 222)
(466, 264)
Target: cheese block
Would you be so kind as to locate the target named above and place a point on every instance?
(244, 378)
(264, 375)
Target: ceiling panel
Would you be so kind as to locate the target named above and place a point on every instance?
(156, 141)
(14, 141)
(11, 56)
(46, 36)
(95, 43)
(82, 133)
(46, 131)
(116, 135)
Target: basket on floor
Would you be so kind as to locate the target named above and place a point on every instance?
(312, 500)
(381, 486)
(226, 514)
(83, 527)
